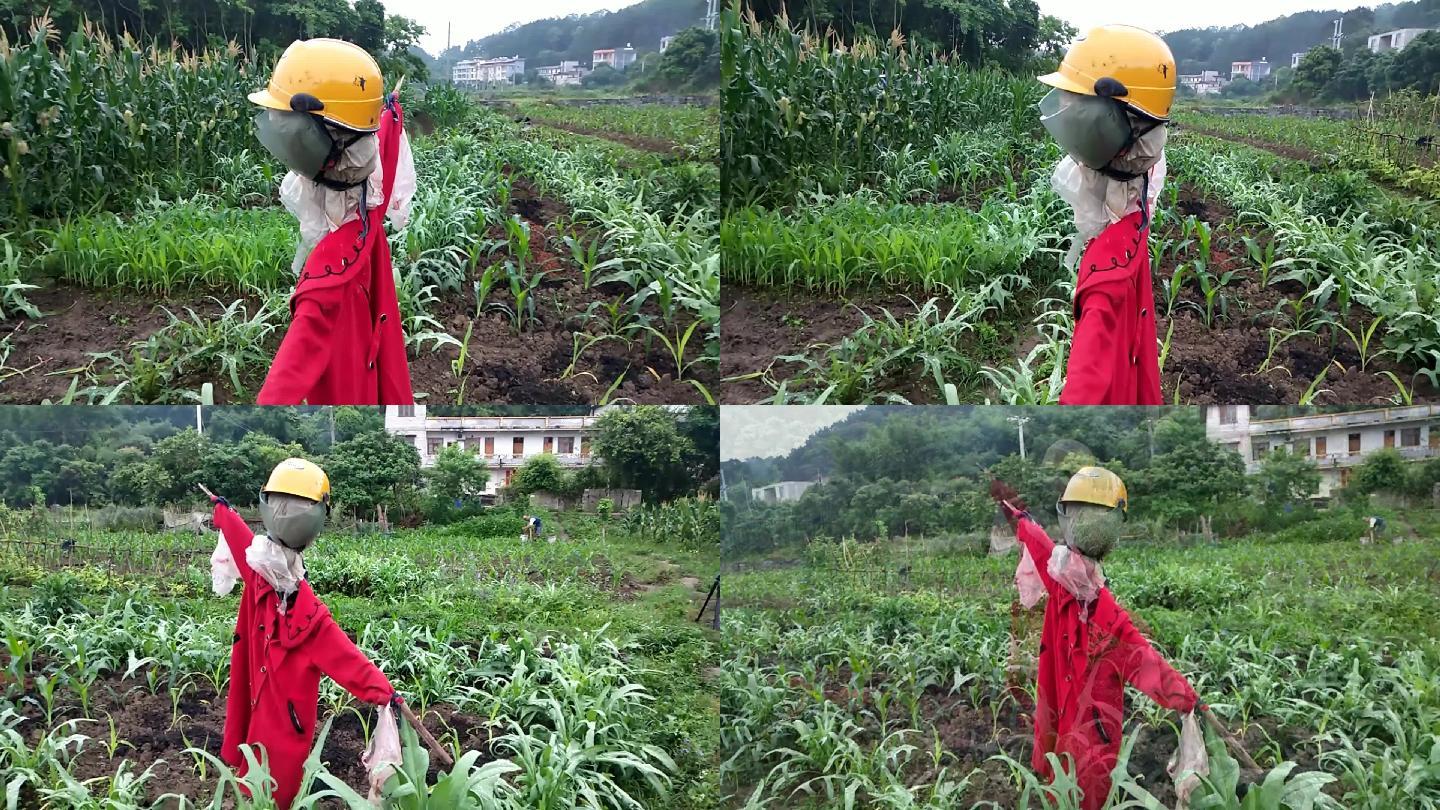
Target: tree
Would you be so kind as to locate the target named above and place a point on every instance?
(603, 76)
(402, 36)
(1382, 471)
(181, 457)
(369, 27)
(642, 448)
(457, 475)
(1316, 71)
(1417, 65)
(371, 469)
(692, 60)
(542, 473)
(1286, 478)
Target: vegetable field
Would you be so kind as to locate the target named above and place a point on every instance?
(874, 675)
(560, 674)
(143, 251)
(890, 234)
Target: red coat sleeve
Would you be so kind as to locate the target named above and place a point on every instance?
(1145, 669)
(237, 536)
(1039, 544)
(1088, 374)
(333, 653)
(303, 356)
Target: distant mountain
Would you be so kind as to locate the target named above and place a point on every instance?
(551, 40)
(1275, 40)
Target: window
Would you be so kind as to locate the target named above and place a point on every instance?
(1354, 444)
(1259, 449)
(1389, 438)
(517, 447)
(1228, 414)
(549, 444)
(567, 445)
(407, 411)
(1319, 446)
(489, 445)
(434, 443)
(509, 476)
(584, 447)
(1344, 476)
(1410, 437)
(1434, 438)
(1302, 447)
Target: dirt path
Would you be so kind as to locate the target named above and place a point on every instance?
(640, 142)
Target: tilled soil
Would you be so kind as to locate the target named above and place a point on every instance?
(759, 324)
(151, 734)
(1216, 365)
(501, 367)
(640, 142)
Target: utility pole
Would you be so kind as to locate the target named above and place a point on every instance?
(332, 425)
(1019, 422)
(711, 14)
(1339, 32)
(199, 421)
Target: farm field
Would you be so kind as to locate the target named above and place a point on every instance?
(538, 265)
(907, 246)
(568, 674)
(880, 675)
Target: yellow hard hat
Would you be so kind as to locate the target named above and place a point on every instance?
(1099, 486)
(296, 476)
(1137, 59)
(341, 76)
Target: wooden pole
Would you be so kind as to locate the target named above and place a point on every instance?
(1230, 742)
(425, 734)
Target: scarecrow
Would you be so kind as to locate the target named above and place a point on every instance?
(1108, 111)
(285, 638)
(325, 117)
(1089, 648)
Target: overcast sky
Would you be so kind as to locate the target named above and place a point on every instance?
(1171, 16)
(472, 20)
(758, 431)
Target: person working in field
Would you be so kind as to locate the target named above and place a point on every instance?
(1089, 649)
(324, 115)
(285, 638)
(1108, 111)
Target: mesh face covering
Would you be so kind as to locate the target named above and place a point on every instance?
(292, 521)
(1090, 528)
(1089, 128)
(294, 139)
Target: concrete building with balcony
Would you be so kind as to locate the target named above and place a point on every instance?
(1204, 83)
(1394, 40)
(618, 58)
(566, 74)
(504, 443)
(780, 491)
(1337, 442)
(488, 71)
(1254, 70)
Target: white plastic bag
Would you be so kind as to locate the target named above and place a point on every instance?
(1189, 762)
(1027, 581)
(223, 571)
(382, 758)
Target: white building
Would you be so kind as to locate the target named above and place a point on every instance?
(1204, 83)
(505, 443)
(488, 71)
(1295, 58)
(1337, 442)
(566, 74)
(1395, 40)
(1254, 71)
(780, 491)
(665, 42)
(618, 58)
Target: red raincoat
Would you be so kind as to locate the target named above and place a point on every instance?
(1085, 662)
(1113, 357)
(345, 345)
(276, 665)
